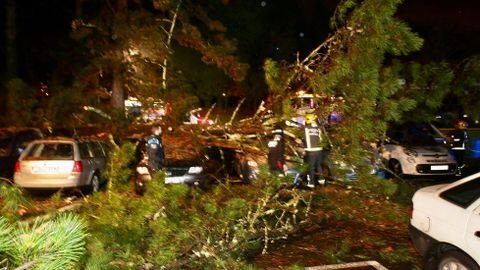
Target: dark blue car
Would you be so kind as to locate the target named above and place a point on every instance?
(12, 143)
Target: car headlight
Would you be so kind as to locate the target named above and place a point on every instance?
(195, 170)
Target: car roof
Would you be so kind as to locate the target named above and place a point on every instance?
(461, 181)
(68, 139)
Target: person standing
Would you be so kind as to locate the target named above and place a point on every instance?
(458, 140)
(155, 151)
(276, 152)
(313, 146)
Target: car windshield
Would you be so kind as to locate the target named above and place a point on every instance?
(415, 136)
(5, 145)
(463, 195)
(50, 151)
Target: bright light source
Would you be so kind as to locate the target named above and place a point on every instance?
(195, 170)
(223, 94)
(263, 3)
(465, 116)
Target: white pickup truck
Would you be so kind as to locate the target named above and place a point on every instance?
(445, 224)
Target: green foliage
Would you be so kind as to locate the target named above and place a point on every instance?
(336, 253)
(64, 108)
(176, 226)
(12, 199)
(351, 64)
(5, 240)
(21, 102)
(423, 89)
(276, 77)
(118, 169)
(51, 245)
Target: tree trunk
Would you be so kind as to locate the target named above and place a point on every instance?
(169, 40)
(118, 90)
(118, 87)
(10, 38)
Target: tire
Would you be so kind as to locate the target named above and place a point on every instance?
(452, 260)
(94, 184)
(455, 260)
(396, 168)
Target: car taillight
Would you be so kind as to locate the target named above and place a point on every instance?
(77, 166)
(17, 166)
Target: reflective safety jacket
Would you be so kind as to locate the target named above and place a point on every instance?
(312, 139)
(458, 139)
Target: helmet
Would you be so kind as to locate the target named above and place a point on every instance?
(461, 124)
(157, 130)
(310, 118)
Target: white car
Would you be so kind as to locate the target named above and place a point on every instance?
(416, 152)
(445, 224)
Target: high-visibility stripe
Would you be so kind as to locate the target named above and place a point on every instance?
(313, 149)
(308, 143)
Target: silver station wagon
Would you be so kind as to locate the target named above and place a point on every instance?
(61, 163)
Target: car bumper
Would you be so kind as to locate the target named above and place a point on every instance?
(50, 183)
(424, 168)
(184, 179)
(421, 240)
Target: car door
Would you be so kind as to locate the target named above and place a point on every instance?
(99, 157)
(472, 235)
(87, 161)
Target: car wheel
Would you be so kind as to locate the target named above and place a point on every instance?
(396, 167)
(456, 260)
(95, 183)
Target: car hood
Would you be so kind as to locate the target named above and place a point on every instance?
(429, 150)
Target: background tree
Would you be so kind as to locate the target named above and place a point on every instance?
(21, 103)
(142, 42)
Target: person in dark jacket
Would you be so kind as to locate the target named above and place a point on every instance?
(458, 140)
(313, 146)
(276, 151)
(155, 151)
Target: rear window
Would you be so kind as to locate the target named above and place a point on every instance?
(463, 195)
(50, 151)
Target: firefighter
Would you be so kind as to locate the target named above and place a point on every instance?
(313, 146)
(458, 140)
(155, 151)
(276, 151)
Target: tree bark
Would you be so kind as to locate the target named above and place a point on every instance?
(118, 87)
(10, 37)
(169, 40)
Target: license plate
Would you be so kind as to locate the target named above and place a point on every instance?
(45, 169)
(439, 168)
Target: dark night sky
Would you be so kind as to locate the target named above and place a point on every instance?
(451, 29)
